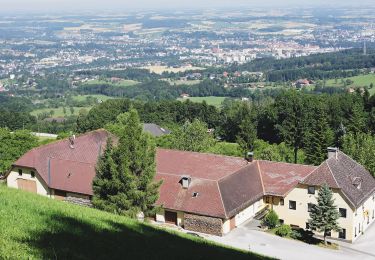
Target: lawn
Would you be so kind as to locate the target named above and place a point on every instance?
(35, 227)
(59, 112)
(358, 81)
(214, 101)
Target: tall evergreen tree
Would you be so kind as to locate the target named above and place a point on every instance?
(318, 137)
(248, 134)
(290, 119)
(324, 215)
(124, 183)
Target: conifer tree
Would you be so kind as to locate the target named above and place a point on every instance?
(247, 135)
(324, 215)
(124, 182)
(318, 137)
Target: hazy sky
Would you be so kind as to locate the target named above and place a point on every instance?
(74, 5)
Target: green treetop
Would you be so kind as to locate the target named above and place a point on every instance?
(124, 182)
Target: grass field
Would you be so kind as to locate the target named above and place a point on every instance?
(99, 97)
(59, 112)
(122, 83)
(359, 81)
(214, 101)
(35, 227)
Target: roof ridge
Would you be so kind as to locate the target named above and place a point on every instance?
(221, 199)
(65, 139)
(234, 173)
(308, 175)
(333, 175)
(261, 178)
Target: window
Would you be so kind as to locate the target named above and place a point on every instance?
(373, 212)
(328, 233)
(20, 172)
(32, 174)
(292, 205)
(342, 212)
(342, 233)
(355, 232)
(281, 221)
(311, 190)
(282, 202)
(309, 207)
(359, 228)
(267, 199)
(307, 225)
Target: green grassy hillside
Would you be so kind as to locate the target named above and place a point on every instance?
(34, 227)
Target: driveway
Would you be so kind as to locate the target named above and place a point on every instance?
(248, 238)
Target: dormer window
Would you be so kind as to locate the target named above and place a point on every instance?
(195, 194)
(185, 181)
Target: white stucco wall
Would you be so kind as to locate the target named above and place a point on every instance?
(249, 212)
(301, 215)
(13, 176)
(362, 220)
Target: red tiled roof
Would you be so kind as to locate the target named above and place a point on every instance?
(173, 196)
(56, 160)
(279, 178)
(198, 165)
(225, 185)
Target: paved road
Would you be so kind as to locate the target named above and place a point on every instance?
(247, 238)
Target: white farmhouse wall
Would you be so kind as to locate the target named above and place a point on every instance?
(13, 176)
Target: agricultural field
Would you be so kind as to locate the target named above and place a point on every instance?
(59, 112)
(161, 69)
(358, 81)
(53, 229)
(122, 83)
(98, 97)
(214, 101)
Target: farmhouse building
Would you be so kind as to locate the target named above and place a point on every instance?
(205, 192)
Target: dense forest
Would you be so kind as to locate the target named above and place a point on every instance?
(303, 122)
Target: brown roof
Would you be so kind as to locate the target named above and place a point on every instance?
(225, 185)
(280, 178)
(65, 168)
(248, 189)
(344, 173)
(198, 165)
(212, 177)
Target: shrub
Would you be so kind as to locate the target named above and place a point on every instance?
(283, 230)
(271, 220)
(295, 234)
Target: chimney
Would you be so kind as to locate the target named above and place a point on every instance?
(249, 156)
(332, 152)
(185, 181)
(357, 182)
(71, 142)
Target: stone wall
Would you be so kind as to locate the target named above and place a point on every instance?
(203, 224)
(79, 201)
